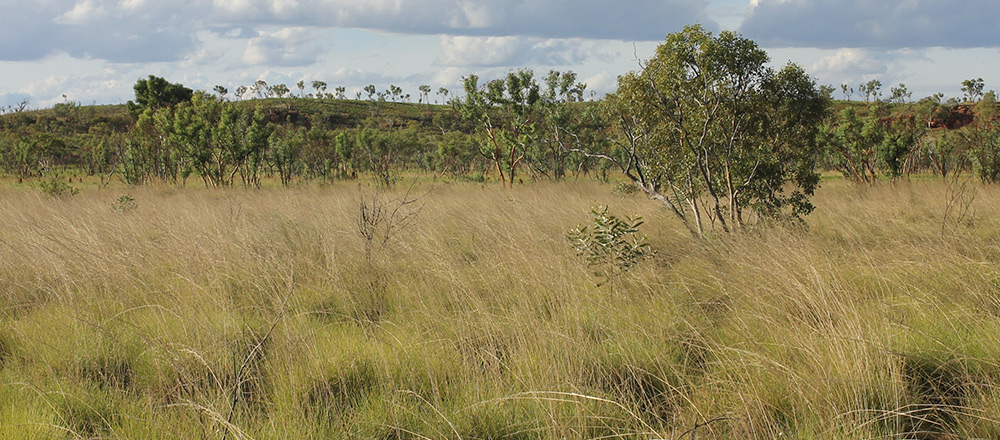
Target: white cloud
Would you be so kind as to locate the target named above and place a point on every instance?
(851, 62)
(500, 51)
(83, 12)
(293, 46)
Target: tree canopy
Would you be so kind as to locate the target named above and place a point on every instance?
(710, 130)
(156, 92)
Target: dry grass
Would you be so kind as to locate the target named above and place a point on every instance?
(211, 314)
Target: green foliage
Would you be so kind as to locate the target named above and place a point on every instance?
(124, 204)
(503, 111)
(973, 89)
(864, 146)
(610, 243)
(56, 187)
(982, 140)
(707, 119)
(155, 92)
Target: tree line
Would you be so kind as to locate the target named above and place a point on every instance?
(705, 127)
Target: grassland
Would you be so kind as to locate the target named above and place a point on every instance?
(189, 313)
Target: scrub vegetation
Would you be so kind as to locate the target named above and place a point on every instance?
(717, 250)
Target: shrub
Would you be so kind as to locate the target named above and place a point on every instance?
(125, 204)
(57, 188)
(610, 242)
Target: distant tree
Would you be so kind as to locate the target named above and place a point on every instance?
(443, 93)
(221, 92)
(973, 89)
(424, 96)
(301, 85)
(899, 94)
(872, 90)
(241, 92)
(371, 91)
(982, 139)
(261, 89)
(395, 92)
(280, 90)
(504, 112)
(320, 88)
(156, 92)
(341, 92)
(847, 90)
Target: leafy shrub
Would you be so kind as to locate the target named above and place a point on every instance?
(57, 188)
(610, 242)
(125, 204)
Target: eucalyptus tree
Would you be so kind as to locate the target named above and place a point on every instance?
(563, 122)
(973, 89)
(443, 93)
(221, 92)
(424, 96)
(320, 88)
(717, 136)
(280, 90)
(872, 90)
(504, 112)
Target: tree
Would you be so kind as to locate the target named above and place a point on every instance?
(301, 85)
(443, 92)
(973, 89)
(900, 94)
(156, 92)
(320, 88)
(280, 90)
(847, 90)
(221, 92)
(714, 134)
(982, 139)
(395, 92)
(261, 89)
(872, 90)
(504, 112)
(423, 97)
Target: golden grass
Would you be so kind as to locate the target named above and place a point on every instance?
(255, 314)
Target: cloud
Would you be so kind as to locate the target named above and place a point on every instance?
(293, 46)
(505, 51)
(134, 31)
(872, 24)
(859, 63)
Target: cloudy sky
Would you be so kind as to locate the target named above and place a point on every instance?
(93, 51)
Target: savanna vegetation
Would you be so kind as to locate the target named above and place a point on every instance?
(716, 250)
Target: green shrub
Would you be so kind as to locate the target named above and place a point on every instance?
(125, 204)
(57, 188)
(611, 243)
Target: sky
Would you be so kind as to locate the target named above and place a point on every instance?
(93, 51)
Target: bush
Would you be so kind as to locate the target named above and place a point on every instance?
(610, 242)
(57, 188)
(125, 204)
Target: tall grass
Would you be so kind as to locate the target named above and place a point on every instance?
(237, 314)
